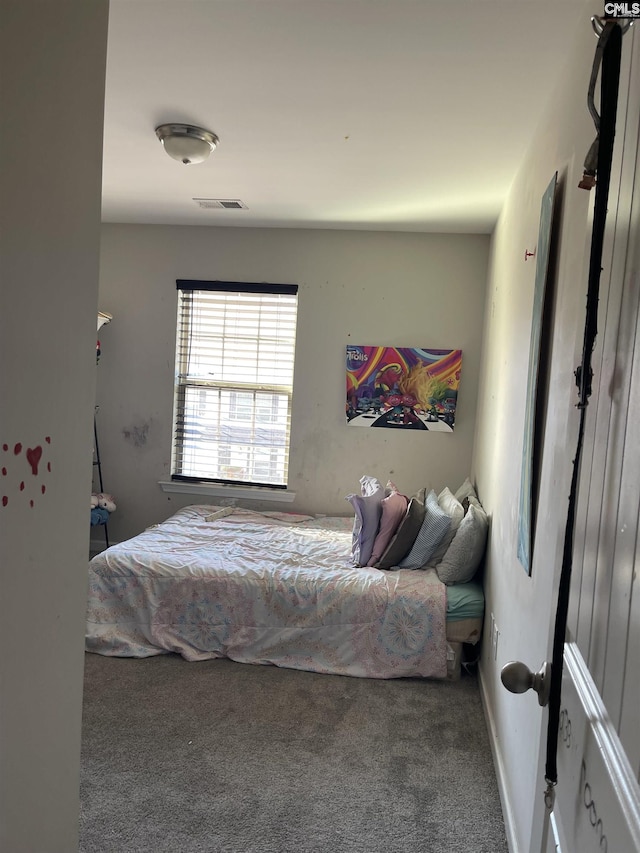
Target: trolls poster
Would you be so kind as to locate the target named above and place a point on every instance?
(402, 388)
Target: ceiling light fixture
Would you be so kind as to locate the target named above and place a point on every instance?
(186, 143)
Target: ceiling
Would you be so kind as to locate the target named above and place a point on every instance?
(398, 115)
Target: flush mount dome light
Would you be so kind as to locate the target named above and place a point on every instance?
(186, 143)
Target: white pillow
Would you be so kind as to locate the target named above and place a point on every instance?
(466, 490)
(463, 556)
(370, 486)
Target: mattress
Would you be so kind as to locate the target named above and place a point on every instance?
(270, 588)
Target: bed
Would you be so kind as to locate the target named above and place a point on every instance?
(275, 588)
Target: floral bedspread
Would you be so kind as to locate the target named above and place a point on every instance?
(264, 588)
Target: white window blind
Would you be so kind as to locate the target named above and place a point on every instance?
(234, 382)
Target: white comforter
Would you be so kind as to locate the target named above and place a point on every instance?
(264, 588)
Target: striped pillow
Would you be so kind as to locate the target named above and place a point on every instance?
(434, 528)
(448, 503)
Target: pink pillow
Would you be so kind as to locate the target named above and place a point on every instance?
(394, 509)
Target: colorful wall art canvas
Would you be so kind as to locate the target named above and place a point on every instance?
(403, 388)
(531, 443)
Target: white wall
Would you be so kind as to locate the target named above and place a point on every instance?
(355, 287)
(53, 67)
(524, 607)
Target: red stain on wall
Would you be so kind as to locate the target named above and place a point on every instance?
(33, 458)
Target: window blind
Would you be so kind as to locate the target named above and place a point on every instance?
(235, 352)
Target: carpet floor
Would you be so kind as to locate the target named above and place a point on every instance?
(223, 757)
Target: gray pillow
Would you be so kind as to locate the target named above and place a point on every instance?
(463, 556)
(406, 534)
(434, 527)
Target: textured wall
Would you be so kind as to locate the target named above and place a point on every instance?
(355, 287)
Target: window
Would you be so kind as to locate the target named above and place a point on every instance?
(234, 382)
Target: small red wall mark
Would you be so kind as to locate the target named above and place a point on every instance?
(33, 458)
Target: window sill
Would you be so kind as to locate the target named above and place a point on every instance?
(245, 493)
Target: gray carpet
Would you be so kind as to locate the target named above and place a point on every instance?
(222, 757)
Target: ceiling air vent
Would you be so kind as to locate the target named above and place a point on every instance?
(221, 203)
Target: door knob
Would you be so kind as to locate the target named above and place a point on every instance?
(518, 678)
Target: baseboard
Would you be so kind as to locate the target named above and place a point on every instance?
(505, 801)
